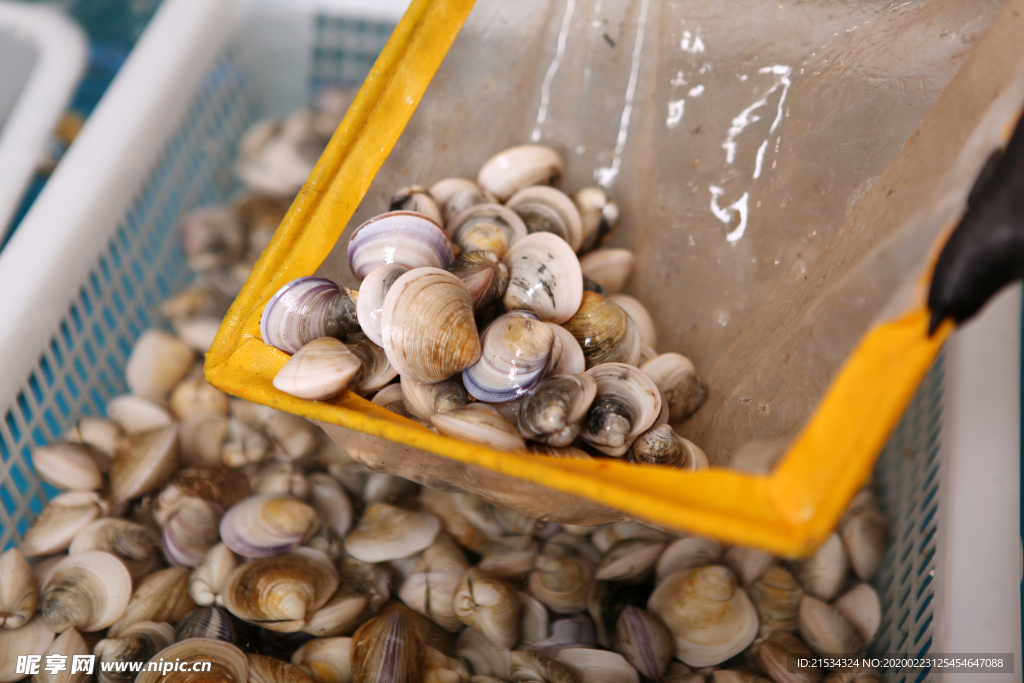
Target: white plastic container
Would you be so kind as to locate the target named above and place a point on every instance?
(98, 251)
(43, 55)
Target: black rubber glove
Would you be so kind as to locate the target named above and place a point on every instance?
(986, 251)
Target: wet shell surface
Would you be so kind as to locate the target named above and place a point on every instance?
(604, 332)
(19, 590)
(512, 169)
(281, 593)
(136, 644)
(388, 648)
(678, 382)
(660, 445)
(86, 591)
(572, 361)
(599, 215)
(455, 195)
(640, 316)
(554, 409)
(375, 370)
(486, 227)
(479, 423)
(484, 275)
(544, 277)
(305, 309)
(547, 209)
(610, 268)
(644, 641)
(261, 526)
(428, 328)
(425, 400)
(405, 238)
(417, 199)
(263, 669)
(626, 405)
(370, 303)
(386, 532)
(516, 351)
(710, 617)
(321, 369)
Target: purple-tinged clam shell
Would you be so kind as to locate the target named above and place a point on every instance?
(407, 238)
(261, 526)
(191, 532)
(516, 353)
(305, 309)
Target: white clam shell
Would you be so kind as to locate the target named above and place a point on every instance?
(627, 404)
(136, 644)
(386, 532)
(571, 362)
(35, 637)
(677, 380)
(19, 591)
(774, 657)
(776, 596)
(512, 169)
(429, 589)
(862, 606)
(157, 362)
(419, 200)
(428, 328)
(710, 617)
(561, 583)
(544, 277)
(135, 545)
(331, 502)
(195, 393)
(161, 596)
(629, 561)
(86, 591)
(490, 605)
(327, 660)
(191, 532)
(424, 400)
(403, 237)
(748, 563)
(197, 333)
(687, 553)
(516, 351)
(824, 573)
(370, 303)
(59, 522)
(863, 534)
(143, 462)
(211, 574)
(68, 644)
(600, 216)
(640, 316)
(96, 432)
(610, 268)
(341, 614)
(265, 525)
(486, 227)
(479, 423)
(68, 466)
(134, 414)
(598, 666)
(321, 369)
(455, 195)
(826, 630)
(547, 209)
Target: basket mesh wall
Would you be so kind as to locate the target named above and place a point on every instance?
(82, 367)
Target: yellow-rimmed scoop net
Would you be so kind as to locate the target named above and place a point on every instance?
(779, 181)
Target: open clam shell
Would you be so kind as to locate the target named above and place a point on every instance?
(386, 532)
(481, 424)
(428, 327)
(516, 352)
(514, 168)
(370, 303)
(544, 277)
(547, 209)
(281, 593)
(604, 332)
(86, 591)
(405, 238)
(678, 382)
(455, 195)
(554, 409)
(305, 309)
(599, 215)
(19, 590)
(485, 276)
(486, 227)
(627, 404)
(261, 526)
(418, 200)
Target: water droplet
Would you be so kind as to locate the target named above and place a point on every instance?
(969, 37)
(693, 241)
(721, 316)
(799, 268)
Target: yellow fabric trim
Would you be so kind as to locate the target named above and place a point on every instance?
(788, 513)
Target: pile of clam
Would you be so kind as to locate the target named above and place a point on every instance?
(502, 321)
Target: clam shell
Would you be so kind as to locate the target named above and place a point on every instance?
(370, 303)
(373, 580)
(554, 409)
(510, 563)
(86, 591)
(776, 596)
(403, 237)
(533, 667)
(305, 309)
(533, 619)
(561, 583)
(325, 660)
(640, 316)
(281, 593)
(512, 169)
(294, 436)
(710, 617)
(610, 268)
(138, 643)
(321, 369)
(227, 663)
(135, 545)
(342, 613)
(862, 606)
(824, 573)
(59, 522)
(425, 400)
(604, 332)
(599, 216)
(484, 275)
(445, 506)
(659, 445)
(594, 286)
(191, 532)
(215, 484)
(206, 622)
(489, 605)
(647, 354)
(626, 405)
(381, 487)
(863, 535)
(558, 452)
(142, 463)
(331, 502)
(261, 526)
(387, 533)
(516, 352)
(430, 588)
(486, 227)
(748, 563)
(206, 583)
(263, 669)
(774, 657)
(202, 437)
(629, 561)
(68, 466)
(19, 590)
(157, 362)
(392, 398)
(388, 648)
(572, 360)
(418, 200)
(826, 630)
(483, 656)
(195, 393)
(428, 327)
(479, 423)
(678, 382)
(644, 641)
(546, 209)
(68, 644)
(455, 195)
(544, 277)
(101, 434)
(607, 535)
(161, 596)
(375, 370)
(281, 478)
(598, 666)
(135, 415)
(35, 637)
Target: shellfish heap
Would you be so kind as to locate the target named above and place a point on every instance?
(196, 527)
(504, 321)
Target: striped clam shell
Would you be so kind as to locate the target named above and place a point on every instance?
(261, 526)
(516, 352)
(486, 227)
(627, 404)
(544, 277)
(604, 331)
(455, 195)
(206, 622)
(547, 209)
(305, 309)
(554, 409)
(407, 238)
